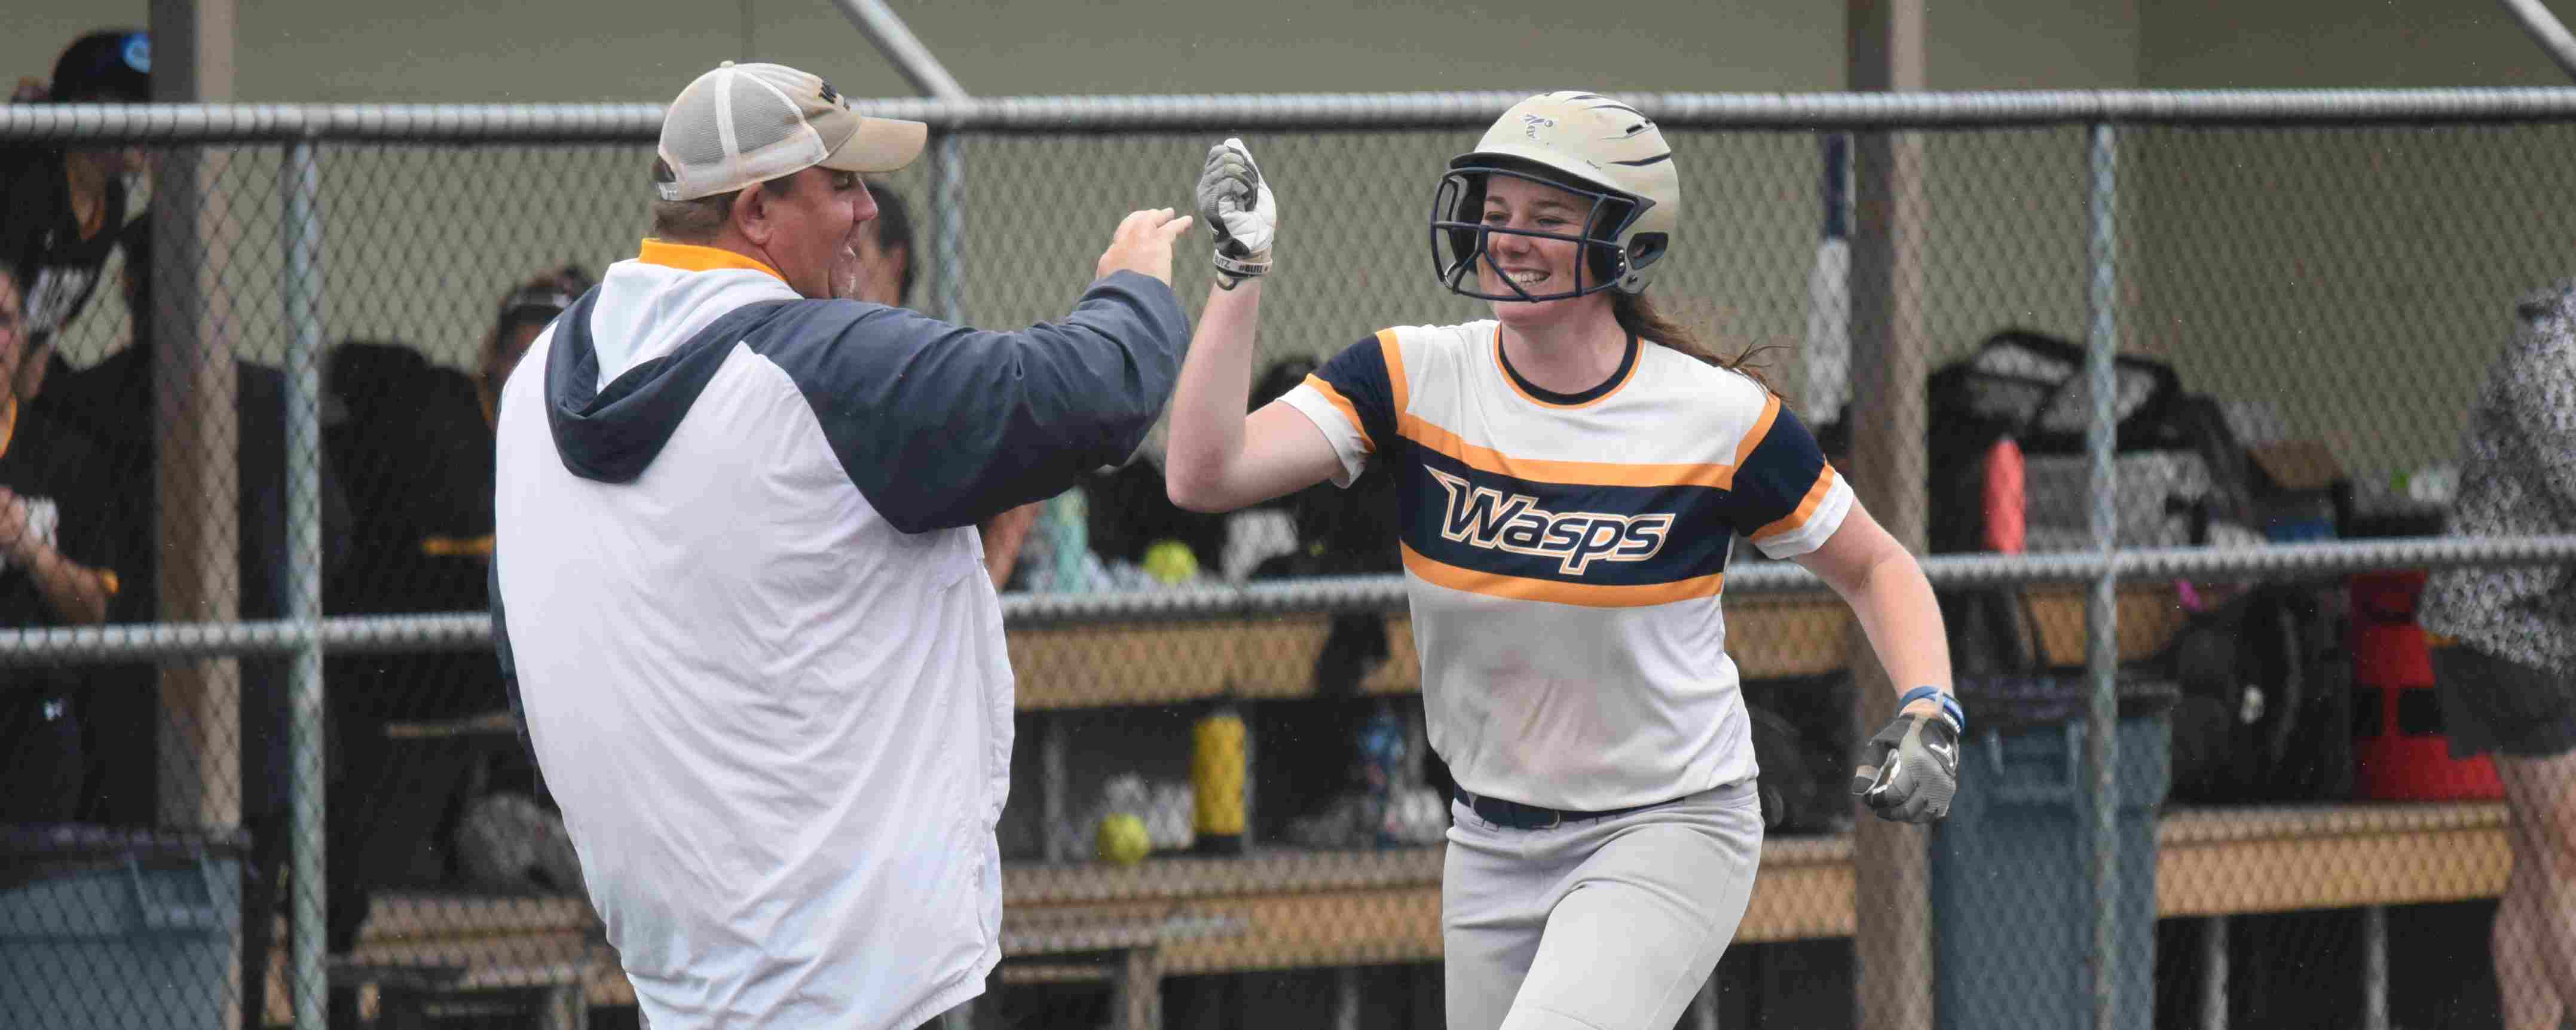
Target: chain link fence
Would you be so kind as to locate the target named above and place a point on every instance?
(282, 784)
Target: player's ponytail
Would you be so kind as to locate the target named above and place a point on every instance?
(1638, 316)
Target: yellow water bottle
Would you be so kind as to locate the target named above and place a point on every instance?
(1217, 749)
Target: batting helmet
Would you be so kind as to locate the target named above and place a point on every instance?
(1586, 143)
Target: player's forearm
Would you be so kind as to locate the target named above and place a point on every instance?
(1903, 622)
(1206, 445)
(1003, 536)
(74, 593)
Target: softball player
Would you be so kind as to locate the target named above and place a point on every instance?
(1570, 475)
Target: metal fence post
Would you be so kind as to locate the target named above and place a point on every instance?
(2101, 611)
(300, 223)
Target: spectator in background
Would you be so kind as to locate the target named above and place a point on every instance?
(55, 546)
(61, 206)
(112, 403)
(524, 314)
(885, 276)
(412, 440)
(2508, 680)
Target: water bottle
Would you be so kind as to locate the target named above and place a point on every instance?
(1382, 749)
(1217, 755)
(1068, 520)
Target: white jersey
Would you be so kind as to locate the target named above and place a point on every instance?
(1564, 554)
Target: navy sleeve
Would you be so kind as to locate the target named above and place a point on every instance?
(943, 426)
(1782, 483)
(1357, 380)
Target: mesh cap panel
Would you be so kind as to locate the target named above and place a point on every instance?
(761, 118)
(689, 136)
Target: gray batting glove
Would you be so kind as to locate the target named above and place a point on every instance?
(1910, 770)
(1236, 203)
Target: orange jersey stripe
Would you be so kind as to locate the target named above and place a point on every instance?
(1572, 473)
(1589, 595)
(1349, 410)
(1392, 350)
(1761, 428)
(1795, 520)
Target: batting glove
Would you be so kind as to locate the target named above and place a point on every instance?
(1235, 202)
(1910, 770)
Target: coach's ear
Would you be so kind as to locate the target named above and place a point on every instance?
(754, 216)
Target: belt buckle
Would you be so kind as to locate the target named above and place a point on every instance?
(1555, 818)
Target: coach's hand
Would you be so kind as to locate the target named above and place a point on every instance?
(1910, 769)
(1237, 204)
(1143, 243)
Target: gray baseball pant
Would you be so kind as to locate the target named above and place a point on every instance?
(1605, 924)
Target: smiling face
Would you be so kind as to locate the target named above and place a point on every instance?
(811, 234)
(1536, 265)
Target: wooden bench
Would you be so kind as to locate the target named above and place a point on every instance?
(1770, 636)
(443, 952)
(1282, 909)
(1303, 909)
(1054, 945)
(1276, 909)
(418, 996)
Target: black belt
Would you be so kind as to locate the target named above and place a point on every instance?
(1518, 816)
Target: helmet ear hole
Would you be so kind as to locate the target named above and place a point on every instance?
(1646, 247)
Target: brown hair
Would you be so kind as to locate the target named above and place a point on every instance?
(702, 219)
(1638, 316)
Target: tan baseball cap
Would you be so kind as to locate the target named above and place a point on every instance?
(745, 124)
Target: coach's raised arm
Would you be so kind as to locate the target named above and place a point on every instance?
(737, 591)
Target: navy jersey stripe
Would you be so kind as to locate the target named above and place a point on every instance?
(1359, 375)
(1567, 533)
(1773, 483)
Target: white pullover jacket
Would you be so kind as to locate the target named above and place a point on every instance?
(741, 601)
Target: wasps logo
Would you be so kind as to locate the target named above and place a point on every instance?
(1484, 517)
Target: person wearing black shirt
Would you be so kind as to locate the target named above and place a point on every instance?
(54, 541)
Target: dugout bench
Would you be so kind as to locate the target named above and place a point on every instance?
(1295, 909)
(1278, 908)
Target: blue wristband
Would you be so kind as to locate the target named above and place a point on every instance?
(1949, 705)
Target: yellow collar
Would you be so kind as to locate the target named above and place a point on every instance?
(690, 257)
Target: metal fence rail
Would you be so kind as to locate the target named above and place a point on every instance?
(558, 123)
(2036, 226)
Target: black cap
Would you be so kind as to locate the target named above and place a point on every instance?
(111, 66)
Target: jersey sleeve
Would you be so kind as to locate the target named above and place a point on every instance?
(1785, 497)
(1352, 399)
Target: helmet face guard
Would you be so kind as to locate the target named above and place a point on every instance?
(1460, 238)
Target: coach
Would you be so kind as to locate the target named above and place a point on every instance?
(737, 588)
